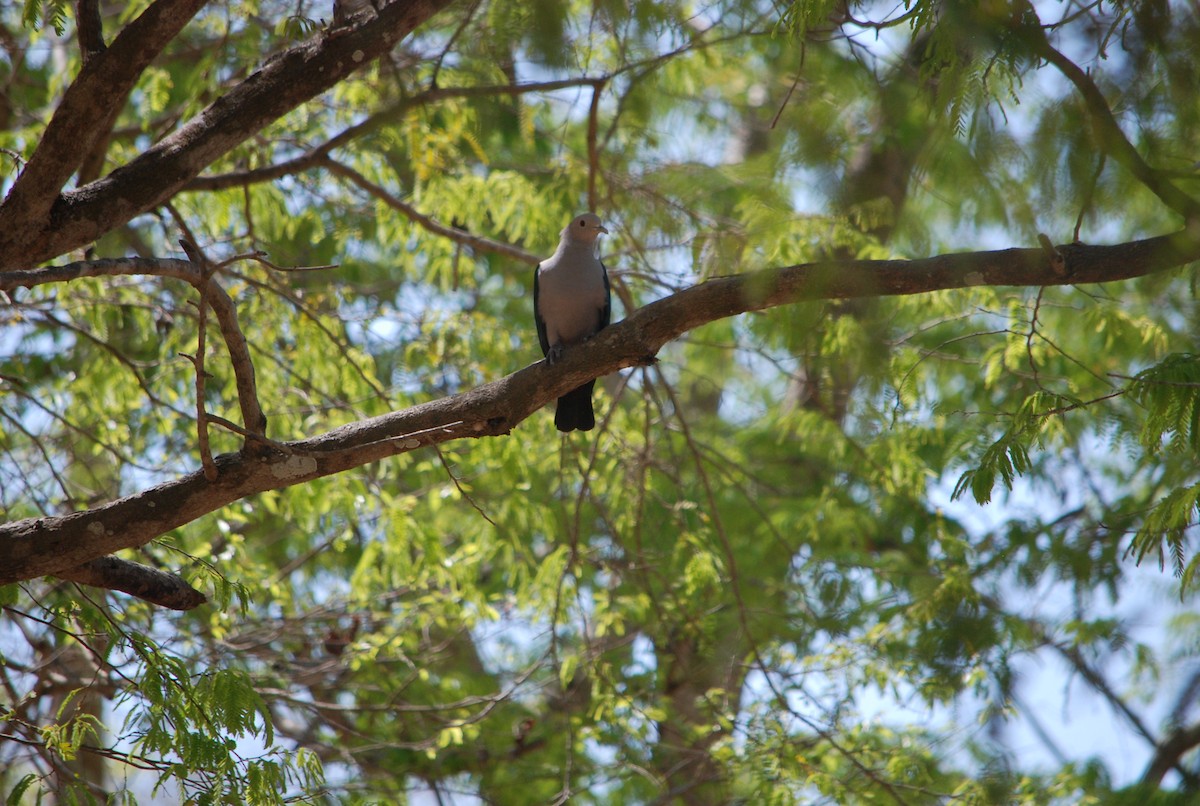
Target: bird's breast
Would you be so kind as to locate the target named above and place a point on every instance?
(570, 303)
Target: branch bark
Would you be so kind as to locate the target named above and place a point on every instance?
(38, 223)
(142, 581)
(84, 117)
(1168, 753)
(91, 29)
(217, 298)
(53, 545)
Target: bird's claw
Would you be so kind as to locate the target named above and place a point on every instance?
(554, 353)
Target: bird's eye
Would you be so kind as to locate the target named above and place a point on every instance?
(582, 223)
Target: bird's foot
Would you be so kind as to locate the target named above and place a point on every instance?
(554, 353)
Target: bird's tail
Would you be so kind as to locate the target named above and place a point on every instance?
(574, 411)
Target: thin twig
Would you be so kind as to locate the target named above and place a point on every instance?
(316, 318)
(593, 153)
(458, 485)
(791, 89)
(317, 154)
(740, 605)
(259, 256)
(1033, 331)
(427, 222)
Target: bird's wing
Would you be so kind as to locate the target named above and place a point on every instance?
(537, 314)
(606, 311)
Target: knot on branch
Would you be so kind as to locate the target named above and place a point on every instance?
(1058, 263)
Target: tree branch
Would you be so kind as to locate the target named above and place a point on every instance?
(91, 29)
(85, 115)
(104, 267)
(1168, 753)
(593, 151)
(142, 581)
(213, 294)
(202, 444)
(39, 546)
(32, 231)
(1109, 134)
(215, 297)
(239, 357)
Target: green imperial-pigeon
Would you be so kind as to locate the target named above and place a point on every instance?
(571, 302)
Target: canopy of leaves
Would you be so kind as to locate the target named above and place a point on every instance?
(795, 514)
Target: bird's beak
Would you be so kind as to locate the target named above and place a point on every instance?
(600, 228)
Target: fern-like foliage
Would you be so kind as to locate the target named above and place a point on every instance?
(1170, 394)
(1009, 456)
(37, 14)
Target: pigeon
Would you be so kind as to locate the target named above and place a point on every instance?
(571, 303)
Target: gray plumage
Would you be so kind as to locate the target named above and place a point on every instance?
(571, 303)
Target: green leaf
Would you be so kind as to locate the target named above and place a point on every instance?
(19, 789)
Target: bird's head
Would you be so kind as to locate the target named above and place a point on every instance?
(584, 228)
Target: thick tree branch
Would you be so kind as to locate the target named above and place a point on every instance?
(86, 115)
(39, 546)
(1168, 754)
(105, 267)
(239, 359)
(29, 236)
(217, 298)
(142, 581)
